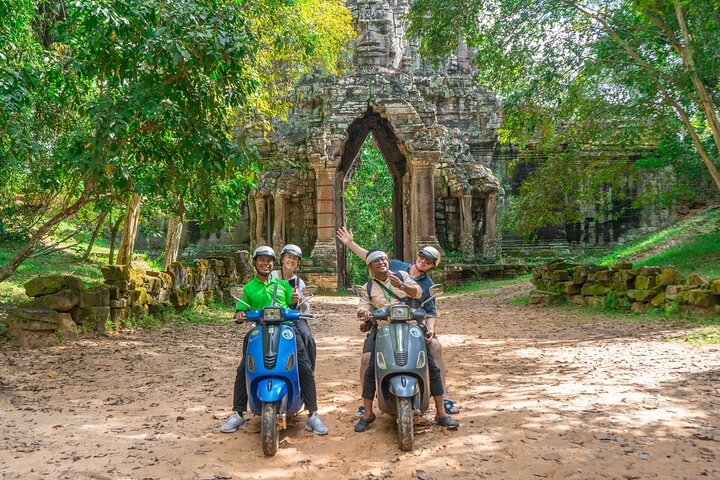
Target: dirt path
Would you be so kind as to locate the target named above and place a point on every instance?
(546, 393)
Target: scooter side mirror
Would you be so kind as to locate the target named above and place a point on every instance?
(356, 289)
(434, 290)
(310, 290)
(237, 292)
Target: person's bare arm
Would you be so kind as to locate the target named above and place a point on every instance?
(408, 285)
(346, 238)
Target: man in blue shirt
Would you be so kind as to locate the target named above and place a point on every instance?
(427, 259)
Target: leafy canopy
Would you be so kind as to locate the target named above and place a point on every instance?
(597, 94)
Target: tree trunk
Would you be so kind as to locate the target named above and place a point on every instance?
(113, 237)
(101, 220)
(47, 227)
(172, 240)
(127, 241)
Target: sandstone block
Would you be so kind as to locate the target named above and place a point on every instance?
(571, 288)
(643, 295)
(36, 319)
(595, 302)
(560, 276)
(619, 266)
(119, 315)
(701, 298)
(594, 289)
(639, 307)
(618, 287)
(648, 271)
(113, 273)
(139, 296)
(62, 301)
(658, 300)
(95, 297)
(697, 279)
(645, 282)
(92, 318)
(577, 299)
(624, 276)
(587, 269)
(604, 276)
(670, 276)
(51, 284)
(671, 291)
(715, 286)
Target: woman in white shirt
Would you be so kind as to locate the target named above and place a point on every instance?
(290, 257)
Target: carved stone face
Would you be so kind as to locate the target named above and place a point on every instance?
(377, 42)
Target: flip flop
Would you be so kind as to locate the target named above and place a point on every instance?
(362, 424)
(450, 407)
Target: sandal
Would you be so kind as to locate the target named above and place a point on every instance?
(363, 424)
(450, 407)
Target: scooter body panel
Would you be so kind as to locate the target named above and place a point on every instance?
(401, 368)
(271, 368)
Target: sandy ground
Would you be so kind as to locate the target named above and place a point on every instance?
(546, 393)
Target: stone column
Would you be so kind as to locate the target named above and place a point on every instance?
(278, 237)
(491, 241)
(260, 220)
(422, 201)
(467, 243)
(253, 222)
(325, 252)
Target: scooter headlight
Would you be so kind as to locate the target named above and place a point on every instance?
(421, 360)
(380, 361)
(290, 362)
(251, 363)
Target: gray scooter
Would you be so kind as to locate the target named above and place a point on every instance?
(401, 367)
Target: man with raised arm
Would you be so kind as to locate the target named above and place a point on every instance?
(387, 287)
(427, 259)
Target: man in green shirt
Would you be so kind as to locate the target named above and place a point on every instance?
(259, 293)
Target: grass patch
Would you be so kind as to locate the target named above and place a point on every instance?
(522, 300)
(691, 246)
(701, 336)
(65, 262)
(486, 284)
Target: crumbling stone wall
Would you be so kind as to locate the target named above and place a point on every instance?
(60, 305)
(637, 289)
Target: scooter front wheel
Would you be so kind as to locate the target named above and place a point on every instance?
(269, 432)
(405, 423)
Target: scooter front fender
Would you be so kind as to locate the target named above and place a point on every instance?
(271, 390)
(403, 386)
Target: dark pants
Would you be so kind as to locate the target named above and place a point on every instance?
(305, 371)
(436, 386)
(307, 337)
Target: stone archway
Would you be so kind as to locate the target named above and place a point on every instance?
(435, 127)
(371, 123)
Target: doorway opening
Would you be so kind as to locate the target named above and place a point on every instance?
(368, 207)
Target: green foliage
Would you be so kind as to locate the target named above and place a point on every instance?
(594, 95)
(368, 207)
(100, 98)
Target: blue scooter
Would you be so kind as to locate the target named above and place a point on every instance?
(273, 382)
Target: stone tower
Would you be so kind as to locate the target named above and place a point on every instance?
(434, 126)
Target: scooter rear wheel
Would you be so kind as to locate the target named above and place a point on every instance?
(405, 424)
(269, 432)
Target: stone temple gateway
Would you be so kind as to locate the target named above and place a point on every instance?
(434, 126)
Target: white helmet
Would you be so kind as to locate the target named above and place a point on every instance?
(432, 253)
(291, 249)
(264, 250)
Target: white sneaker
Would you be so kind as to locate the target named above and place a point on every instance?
(233, 422)
(315, 425)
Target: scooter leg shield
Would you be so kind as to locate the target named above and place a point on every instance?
(271, 389)
(404, 386)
